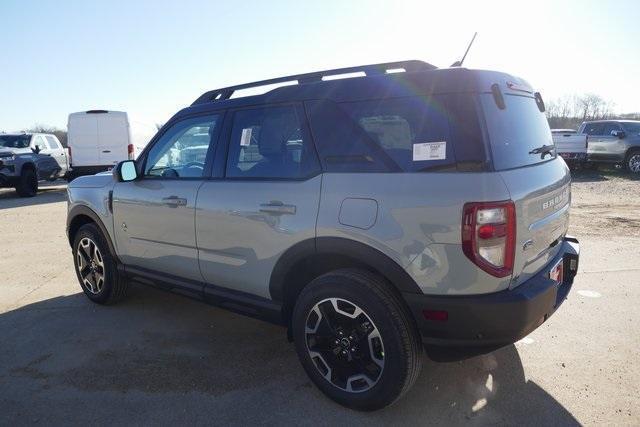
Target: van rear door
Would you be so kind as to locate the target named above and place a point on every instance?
(113, 137)
(537, 179)
(83, 139)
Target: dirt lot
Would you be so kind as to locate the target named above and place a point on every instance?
(159, 358)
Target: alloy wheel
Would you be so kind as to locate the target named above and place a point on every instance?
(90, 265)
(634, 163)
(344, 345)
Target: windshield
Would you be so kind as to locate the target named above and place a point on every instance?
(517, 133)
(14, 141)
(631, 127)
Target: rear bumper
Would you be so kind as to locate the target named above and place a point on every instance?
(497, 319)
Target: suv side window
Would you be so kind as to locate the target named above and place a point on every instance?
(594, 129)
(39, 141)
(181, 152)
(400, 134)
(270, 142)
(610, 127)
(51, 141)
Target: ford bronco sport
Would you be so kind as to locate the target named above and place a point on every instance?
(369, 215)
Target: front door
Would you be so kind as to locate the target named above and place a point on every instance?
(154, 216)
(266, 202)
(602, 145)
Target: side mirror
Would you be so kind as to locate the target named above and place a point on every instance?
(126, 171)
(619, 133)
(36, 149)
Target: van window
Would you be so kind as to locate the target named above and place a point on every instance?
(516, 131)
(270, 143)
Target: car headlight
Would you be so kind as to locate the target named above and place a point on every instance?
(7, 159)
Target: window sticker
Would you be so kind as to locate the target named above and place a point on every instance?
(245, 139)
(430, 151)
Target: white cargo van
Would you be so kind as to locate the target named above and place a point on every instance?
(98, 140)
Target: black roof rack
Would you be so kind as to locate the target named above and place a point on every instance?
(369, 70)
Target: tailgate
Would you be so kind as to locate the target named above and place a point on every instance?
(542, 195)
(570, 143)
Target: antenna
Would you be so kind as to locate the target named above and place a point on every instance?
(459, 63)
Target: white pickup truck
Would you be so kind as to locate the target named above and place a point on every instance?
(571, 146)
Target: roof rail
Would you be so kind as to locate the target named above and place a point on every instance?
(369, 70)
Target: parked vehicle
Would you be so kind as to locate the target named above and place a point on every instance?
(571, 146)
(98, 140)
(368, 215)
(27, 158)
(614, 141)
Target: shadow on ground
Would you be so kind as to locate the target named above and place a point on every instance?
(602, 173)
(160, 358)
(47, 193)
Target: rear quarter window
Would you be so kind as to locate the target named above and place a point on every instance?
(409, 134)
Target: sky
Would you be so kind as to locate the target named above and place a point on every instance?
(152, 58)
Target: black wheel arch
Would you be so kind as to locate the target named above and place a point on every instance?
(311, 258)
(80, 215)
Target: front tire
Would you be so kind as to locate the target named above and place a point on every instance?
(27, 183)
(356, 340)
(96, 268)
(632, 162)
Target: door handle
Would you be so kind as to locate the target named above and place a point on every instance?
(277, 207)
(174, 201)
(106, 151)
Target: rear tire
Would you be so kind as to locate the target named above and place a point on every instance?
(356, 340)
(96, 268)
(27, 185)
(632, 162)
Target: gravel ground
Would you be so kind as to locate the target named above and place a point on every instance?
(158, 358)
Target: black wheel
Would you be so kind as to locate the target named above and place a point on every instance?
(356, 340)
(27, 183)
(96, 268)
(632, 162)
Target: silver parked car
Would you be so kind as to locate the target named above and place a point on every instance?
(614, 141)
(369, 215)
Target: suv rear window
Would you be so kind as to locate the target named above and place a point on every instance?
(515, 131)
(410, 134)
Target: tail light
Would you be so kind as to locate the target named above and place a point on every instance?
(130, 151)
(489, 236)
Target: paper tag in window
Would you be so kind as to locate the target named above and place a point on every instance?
(245, 139)
(430, 151)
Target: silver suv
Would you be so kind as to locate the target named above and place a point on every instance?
(614, 141)
(371, 216)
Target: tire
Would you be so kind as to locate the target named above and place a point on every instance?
(96, 268)
(382, 336)
(632, 162)
(27, 185)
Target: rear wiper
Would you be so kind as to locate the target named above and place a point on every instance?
(544, 150)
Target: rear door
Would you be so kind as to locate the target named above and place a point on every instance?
(113, 137)
(539, 183)
(263, 202)
(83, 139)
(58, 153)
(154, 216)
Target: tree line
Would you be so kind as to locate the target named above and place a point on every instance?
(569, 111)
